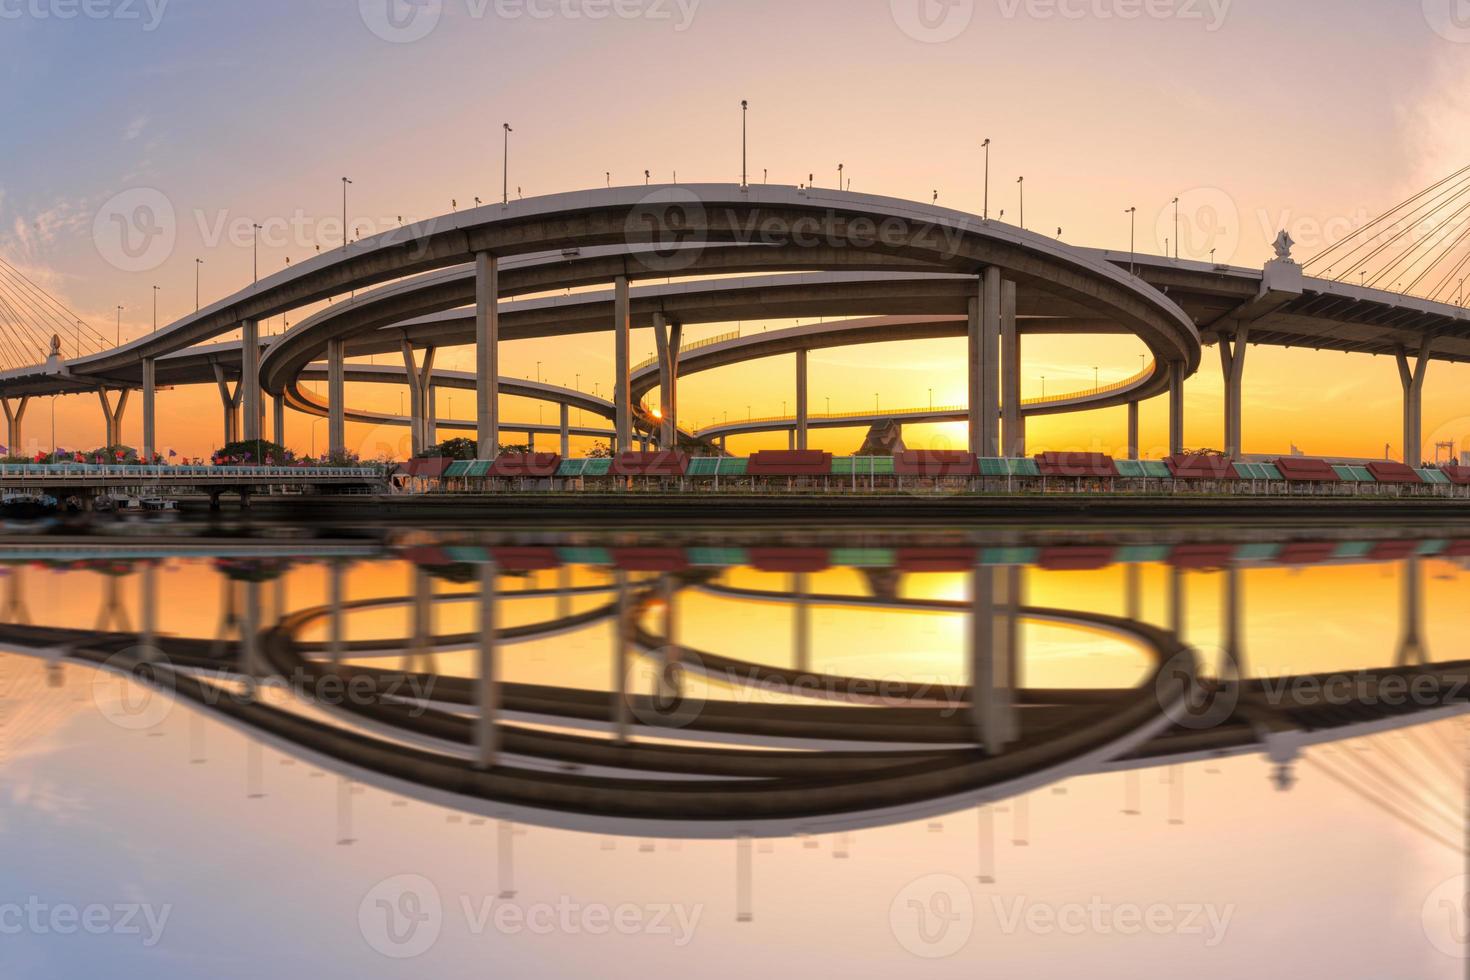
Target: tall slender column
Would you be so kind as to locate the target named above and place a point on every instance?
(1412, 376)
(420, 381)
(431, 415)
(278, 419)
(983, 365)
(1176, 408)
(1133, 430)
(113, 415)
(487, 737)
(336, 574)
(487, 355)
(149, 415)
(229, 402)
(336, 395)
(801, 399)
(1013, 423)
(667, 338)
(622, 409)
(566, 431)
(1232, 360)
(250, 378)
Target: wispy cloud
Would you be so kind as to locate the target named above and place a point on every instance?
(135, 128)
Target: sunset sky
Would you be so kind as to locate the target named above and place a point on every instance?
(1294, 115)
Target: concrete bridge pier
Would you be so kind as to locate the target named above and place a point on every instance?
(802, 627)
(1411, 375)
(150, 415)
(420, 382)
(622, 409)
(992, 671)
(1177, 617)
(1232, 663)
(566, 431)
(983, 364)
(802, 411)
(669, 337)
(112, 614)
(1176, 408)
(1232, 361)
(278, 420)
(422, 627)
(14, 416)
(1012, 422)
(487, 354)
(621, 627)
(1133, 430)
(431, 416)
(112, 415)
(336, 579)
(336, 397)
(251, 404)
(16, 611)
(148, 605)
(230, 402)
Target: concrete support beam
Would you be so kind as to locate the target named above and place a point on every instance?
(420, 382)
(487, 355)
(1133, 430)
(336, 397)
(230, 403)
(991, 661)
(251, 404)
(668, 338)
(983, 364)
(1012, 422)
(150, 440)
(801, 399)
(14, 417)
(1411, 651)
(623, 410)
(566, 431)
(431, 415)
(1232, 361)
(487, 736)
(1176, 408)
(1412, 375)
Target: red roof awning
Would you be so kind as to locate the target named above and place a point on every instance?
(1386, 471)
(1075, 558)
(525, 558)
(650, 559)
(936, 463)
(1186, 466)
(538, 465)
(1076, 465)
(1201, 555)
(1458, 475)
(666, 462)
(788, 559)
(935, 559)
(1299, 469)
(1305, 552)
(1392, 550)
(789, 462)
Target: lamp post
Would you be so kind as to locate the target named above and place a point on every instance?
(255, 252)
(744, 110)
(155, 309)
(1132, 225)
(1021, 186)
(985, 208)
(839, 176)
(345, 182)
(505, 165)
(197, 264)
(119, 327)
(1176, 229)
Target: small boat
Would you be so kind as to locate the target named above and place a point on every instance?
(19, 504)
(159, 504)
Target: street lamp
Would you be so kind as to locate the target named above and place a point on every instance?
(119, 326)
(744, 110)
(839, 176)
(1176, 229)
(345, 182)
(1095, 383)
(1132, 225)
(197, 264)
(1021, 186)
(155, 309)
(985, 209)
(505, 165)
(255, 252)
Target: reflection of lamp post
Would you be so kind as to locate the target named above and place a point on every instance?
(931, 399)
(1043, 386)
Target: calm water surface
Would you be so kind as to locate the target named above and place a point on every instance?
(793, 752)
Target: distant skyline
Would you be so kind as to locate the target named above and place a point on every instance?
(1258, 115)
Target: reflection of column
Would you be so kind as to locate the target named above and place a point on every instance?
(344, 812)
(336, 574)
(991, 664)
(487, 737)
(985, 822)
(505, 832)
(1411, 614)
(1021, 821)
(1133, 589)
(1132, 792)
(250, 635)
(148, 605)
(802, 640)
(563, 592)
(1177, 615)
(1176, 795)
(423, 619)
(620, 659)
(196, 738)
(1233, 665)
(254, 770)
(16, 612)
(744, 874)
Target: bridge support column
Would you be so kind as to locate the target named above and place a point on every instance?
(802, 411)
(668, 338)
(1411, 615)
(336, 397)
(431, 416)
(150, 442)
(1176, 408)
(802, 625)
(14, 416)
(420, 380)
(991, 661)
(566, 431)
(1412, 376)
(112, 415)
(251, 404)
(982, 365)
(1232, 361)
(487, 355)
(1133, 430)
(336, 574)
(230, 402)
(278, 420)
(1233, 664)
(1013, 423)
(622, 409)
